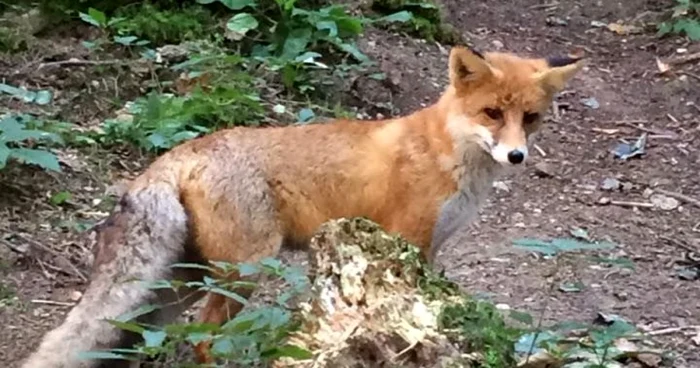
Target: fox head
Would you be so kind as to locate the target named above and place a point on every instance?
(499, 99)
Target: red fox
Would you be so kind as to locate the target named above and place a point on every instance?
(239, 195)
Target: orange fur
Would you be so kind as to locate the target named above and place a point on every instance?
(247, 191)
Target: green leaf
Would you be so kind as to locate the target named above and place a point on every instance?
(94, 17)
(535, 245)
(354, 51)
(534, 341)
(126, 326)
(157, 140)
(290, 351)
(398, 17)
(570, 245)
(60, 198)
(183, 136)
(296, 43)
(140, 311)
(247, 269)
(226, 293)
(231, 4)
(521, 317)
(331, 26)
(154, 339)
(125, 40)
(571, 287)
(242, 23)
(43, 159)
(195, 338)
(222, 346)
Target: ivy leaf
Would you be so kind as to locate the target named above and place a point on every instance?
(154, 339)
(331, 26)
(94, 17)
(231, 4)
(43, 159)
(296, 43)
(398, 17)
(290, 351)
(241, 23)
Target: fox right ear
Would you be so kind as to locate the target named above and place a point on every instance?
(467, 65)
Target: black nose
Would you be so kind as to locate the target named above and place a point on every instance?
(515, 157)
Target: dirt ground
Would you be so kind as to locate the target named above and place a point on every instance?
(619, 96)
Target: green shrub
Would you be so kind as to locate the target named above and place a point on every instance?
(684, 20)
(162, 25)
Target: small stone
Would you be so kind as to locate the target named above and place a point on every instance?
(544, 170)
(501, 186)
(610, 184)
(664, 202)
(75, 295)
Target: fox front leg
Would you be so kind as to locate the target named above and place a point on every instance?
(457, 210)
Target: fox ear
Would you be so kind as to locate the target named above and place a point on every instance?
(560, 69)
(467, 65)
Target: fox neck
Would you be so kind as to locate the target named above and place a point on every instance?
(465, 157)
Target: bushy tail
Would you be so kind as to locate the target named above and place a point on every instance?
(141, 239)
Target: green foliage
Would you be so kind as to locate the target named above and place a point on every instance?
(419, 18)
(270, 36)
(684, 20)
(251, 337)
(12, 40)
(164, 25)
(160, 121)
(19, 134)
(483, 329)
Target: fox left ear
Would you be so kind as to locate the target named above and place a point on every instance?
(558, 72)
(467, 65)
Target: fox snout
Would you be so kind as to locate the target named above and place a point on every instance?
(506, 154)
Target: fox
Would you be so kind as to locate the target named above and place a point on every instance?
(241, 194)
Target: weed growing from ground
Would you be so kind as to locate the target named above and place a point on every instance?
(685, 19)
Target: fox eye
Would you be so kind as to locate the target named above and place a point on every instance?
(495, 114)
(530, 117)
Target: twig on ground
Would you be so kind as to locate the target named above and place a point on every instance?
(689, 74)
(670, 330)
(679, 196)
(679, 244)
(75, 62)
(540, 150)
(648, 130)
(70, 268)
(52, 302)
(626, 204)
(685, 59)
